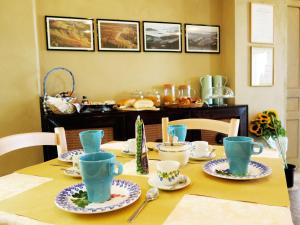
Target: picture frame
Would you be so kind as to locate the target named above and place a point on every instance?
(262, 23)
(262, 66)
(118, 35)
(69, 33)
(200, 38)
(162, 36)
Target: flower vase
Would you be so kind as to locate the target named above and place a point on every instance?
(289, 175)
(281, 145)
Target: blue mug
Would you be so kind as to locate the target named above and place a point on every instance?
(178, 130)
(91, 140)
(238, 151)
(97, 171)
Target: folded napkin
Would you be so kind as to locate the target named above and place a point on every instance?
(129, 168)
(15, 183)
(205, 210)
(115, 145)
(11, 219)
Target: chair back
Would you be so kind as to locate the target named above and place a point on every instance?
(17, 141)
(230, 128)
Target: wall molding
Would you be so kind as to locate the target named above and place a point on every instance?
(293, 3)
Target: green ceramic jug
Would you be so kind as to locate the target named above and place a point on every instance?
(218, 83)
(206, 88)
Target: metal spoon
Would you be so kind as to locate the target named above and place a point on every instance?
(210, 154)
(151, 195)
(60, 165)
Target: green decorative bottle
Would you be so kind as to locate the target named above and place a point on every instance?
(141, 148)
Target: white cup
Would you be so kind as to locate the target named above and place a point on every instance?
(131, 145)
(168, 172)
(200, 148)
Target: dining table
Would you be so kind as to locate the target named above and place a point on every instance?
(28, 195)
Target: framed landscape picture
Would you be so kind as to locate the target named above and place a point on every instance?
(69, 33)
(162, 37)
(202, 38)
(118, 35)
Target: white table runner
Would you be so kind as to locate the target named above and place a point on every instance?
(15, 183)
(11, 219)
(121, 146)
(129, 168)
(206, 210)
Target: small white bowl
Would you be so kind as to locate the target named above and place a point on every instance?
(179, 153)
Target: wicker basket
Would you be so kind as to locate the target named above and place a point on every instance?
(65, 97)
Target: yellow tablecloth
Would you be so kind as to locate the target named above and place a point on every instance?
(38, 203)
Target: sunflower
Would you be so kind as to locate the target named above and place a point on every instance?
(259, 132)
(272, 113)
(255, 128)
(263, 118)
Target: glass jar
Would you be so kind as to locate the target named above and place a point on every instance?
(137, 94)
(154, 96)
(169, 94)
(185, 94)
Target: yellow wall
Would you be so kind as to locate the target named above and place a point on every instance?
(111, 75)
(18, 79)
(228, 42)
(260, 98)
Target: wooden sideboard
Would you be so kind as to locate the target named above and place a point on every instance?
(121, 124)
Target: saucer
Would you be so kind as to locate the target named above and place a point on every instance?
(203, 157)
(67, 156)
(72, 172)
(154, 182)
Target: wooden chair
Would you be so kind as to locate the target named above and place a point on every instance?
(230, 128)
(17, 141)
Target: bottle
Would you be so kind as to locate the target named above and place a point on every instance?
(141, 148)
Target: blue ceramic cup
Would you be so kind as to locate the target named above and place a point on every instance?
(97, 171)
(178, 130)
(91, 140)
(238, 151)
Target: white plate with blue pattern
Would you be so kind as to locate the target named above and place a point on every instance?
(256, 170)
(123, 193)
(67, 156)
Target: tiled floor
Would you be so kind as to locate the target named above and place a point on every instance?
(295, 198)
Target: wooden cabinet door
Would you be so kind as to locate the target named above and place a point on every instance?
(293, 85)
